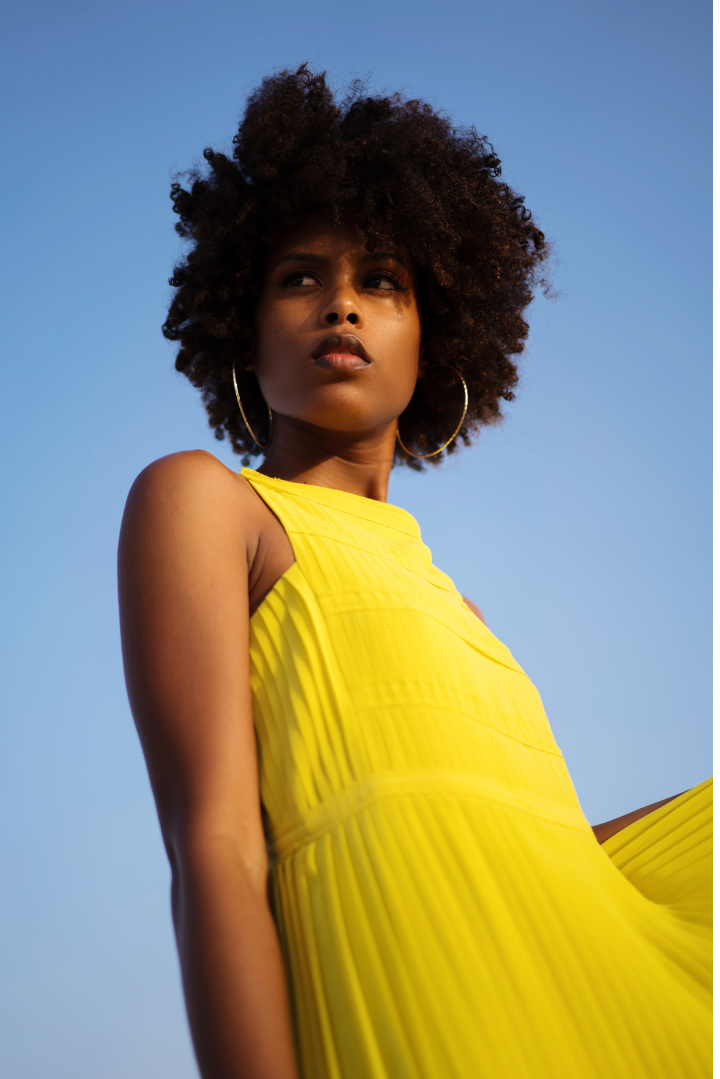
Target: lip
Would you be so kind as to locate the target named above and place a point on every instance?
(341, 352)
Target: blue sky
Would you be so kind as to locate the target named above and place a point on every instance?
(581, 526)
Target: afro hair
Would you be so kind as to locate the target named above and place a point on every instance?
(405, 175)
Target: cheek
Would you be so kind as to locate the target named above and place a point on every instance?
(403, 337)
(275, 330)
(279, 353)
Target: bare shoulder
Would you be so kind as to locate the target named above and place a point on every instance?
(194, 475)
(194, 490)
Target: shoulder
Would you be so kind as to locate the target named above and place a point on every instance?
(194, 474)
(189, 492)
(192, 480)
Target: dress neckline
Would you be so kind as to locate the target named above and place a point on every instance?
(384, 513)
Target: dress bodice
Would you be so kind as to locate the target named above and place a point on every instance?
(442, 904)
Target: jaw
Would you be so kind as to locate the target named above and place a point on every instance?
(295, 438)
(354, 403)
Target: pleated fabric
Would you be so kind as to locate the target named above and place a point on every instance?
(443, 906)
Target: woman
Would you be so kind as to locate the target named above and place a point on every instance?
(380, 868)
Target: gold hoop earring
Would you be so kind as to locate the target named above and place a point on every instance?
(262, 445)
(455, 432)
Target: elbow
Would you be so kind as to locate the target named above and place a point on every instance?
(200, 858)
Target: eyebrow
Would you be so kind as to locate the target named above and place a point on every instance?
(303, 256)
(384, 256)
(322, 260)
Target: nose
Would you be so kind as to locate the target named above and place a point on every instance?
(334, 317)
(342, 306)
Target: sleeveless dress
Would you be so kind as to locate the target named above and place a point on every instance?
(444, 909)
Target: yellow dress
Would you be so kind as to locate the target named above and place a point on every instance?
(444, 909)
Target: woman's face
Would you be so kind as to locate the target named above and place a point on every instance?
(338, 329)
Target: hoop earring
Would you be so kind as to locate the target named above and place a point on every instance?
(455, 432)
(262, 445)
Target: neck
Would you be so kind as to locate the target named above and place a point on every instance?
(358, 463)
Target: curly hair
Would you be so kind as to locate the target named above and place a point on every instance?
(404, 174)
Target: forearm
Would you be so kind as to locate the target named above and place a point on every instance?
(609, 828)
(233, 974)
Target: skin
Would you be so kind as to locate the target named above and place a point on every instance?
(336, 428)
(199, 550)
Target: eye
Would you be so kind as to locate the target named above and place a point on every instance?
(384, 281)
(298, 279)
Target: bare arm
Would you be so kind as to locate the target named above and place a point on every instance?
(611, 827)
(474, 608)
(183, 581)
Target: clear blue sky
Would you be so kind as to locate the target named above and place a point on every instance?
(581, 526)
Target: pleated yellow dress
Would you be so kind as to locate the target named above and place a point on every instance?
(443, 906)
